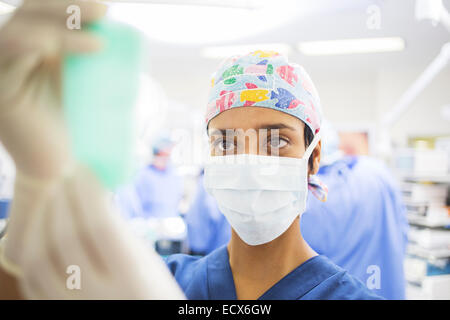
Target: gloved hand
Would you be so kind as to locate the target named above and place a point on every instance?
(59, 215)
(31, 46)
(76, 228)
(32, 43)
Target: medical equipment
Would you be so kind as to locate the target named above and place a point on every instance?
(165, 235)
(402, 105)
(433, 10)
(100, 92)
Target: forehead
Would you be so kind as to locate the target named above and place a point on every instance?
(254, 118)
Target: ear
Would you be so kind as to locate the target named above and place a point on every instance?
(316, 157)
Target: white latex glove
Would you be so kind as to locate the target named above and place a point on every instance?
(32, 43)
(75, 226)
(59, 216)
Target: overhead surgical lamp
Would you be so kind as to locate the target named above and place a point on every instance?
(434, 11)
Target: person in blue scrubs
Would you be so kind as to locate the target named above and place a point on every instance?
(207, 227)
(363, 197)
(363, 224)
(263, 264)
(157, 189)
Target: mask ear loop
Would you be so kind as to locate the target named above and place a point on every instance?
(312, 146)
(318, 189)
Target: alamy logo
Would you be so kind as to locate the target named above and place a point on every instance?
(374, 280)
(73, 281)
(73, 22)
(373, 21)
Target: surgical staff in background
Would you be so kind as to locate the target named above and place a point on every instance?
(362, 226)
(204, 215)
(157, 189)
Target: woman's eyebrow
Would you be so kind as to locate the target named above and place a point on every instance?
(263, 126)
(222, 132)
(277, 126)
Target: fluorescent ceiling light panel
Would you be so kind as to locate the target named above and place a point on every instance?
(221, 52)
(247, 4)
(351, 46)
(197, 24)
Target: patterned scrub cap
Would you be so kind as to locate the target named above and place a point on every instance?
(266, 79)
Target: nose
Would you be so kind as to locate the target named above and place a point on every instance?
(248, 142)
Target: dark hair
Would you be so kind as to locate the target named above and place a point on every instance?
(308, 134)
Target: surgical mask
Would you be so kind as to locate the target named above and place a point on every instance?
(259, 195)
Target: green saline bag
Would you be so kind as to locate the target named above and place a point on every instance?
(99, 95)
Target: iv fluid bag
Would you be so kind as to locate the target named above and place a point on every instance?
(99, 95)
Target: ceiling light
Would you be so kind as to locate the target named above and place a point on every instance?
(248, 4)
(351, 46)
(201, 24)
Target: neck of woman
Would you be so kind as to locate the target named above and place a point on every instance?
(264, 265)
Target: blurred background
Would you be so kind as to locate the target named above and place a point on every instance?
(382, 70)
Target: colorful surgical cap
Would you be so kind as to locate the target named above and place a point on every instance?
(265, 79)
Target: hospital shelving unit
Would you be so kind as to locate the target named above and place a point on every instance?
(427, 266)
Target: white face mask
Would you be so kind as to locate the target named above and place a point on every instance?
(259, 195)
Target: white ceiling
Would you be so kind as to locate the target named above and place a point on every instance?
(423, 41)
(169, 63)
(325, 20)
(182, 70)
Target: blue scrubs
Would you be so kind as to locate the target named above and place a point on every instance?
(4, 208)
(362, 223)
(154, 194)
(362, 226)
(210, 278)
(207, 227)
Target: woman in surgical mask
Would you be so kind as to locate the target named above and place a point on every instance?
(263, 120)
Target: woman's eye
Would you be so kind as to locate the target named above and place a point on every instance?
(277, 143)
(222, 145)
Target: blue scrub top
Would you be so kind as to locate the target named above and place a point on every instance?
(4, 208)
(208, 229)
(362, 223)
(362, 226)
(210, 278)
(154, 194)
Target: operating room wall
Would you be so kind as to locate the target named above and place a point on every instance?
(423, 116)
(347, 100)
(359, 100)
